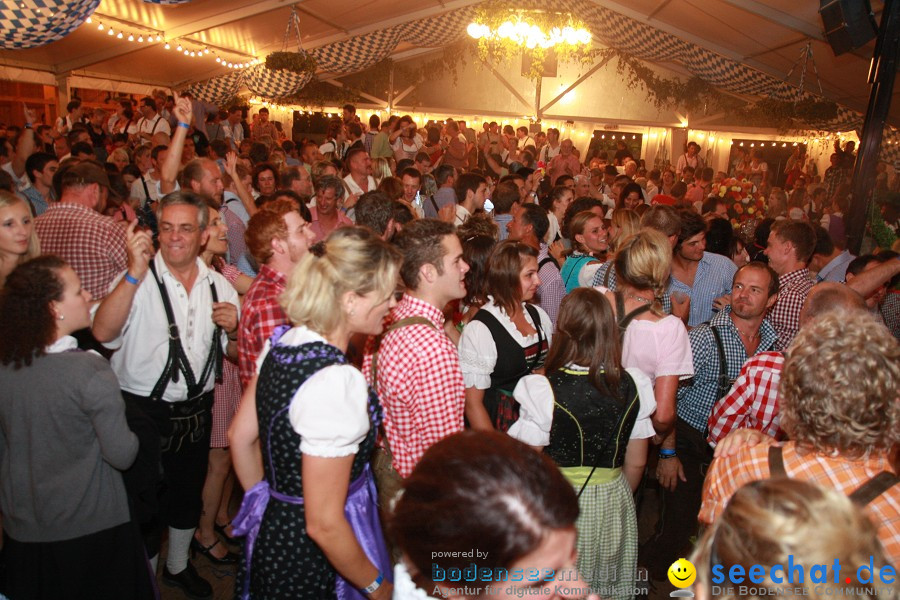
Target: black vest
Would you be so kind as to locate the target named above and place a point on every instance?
(590, 429)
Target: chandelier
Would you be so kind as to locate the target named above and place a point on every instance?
(542, 30)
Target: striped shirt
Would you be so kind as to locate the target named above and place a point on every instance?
(697, 395)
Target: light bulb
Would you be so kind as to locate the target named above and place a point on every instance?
(130, 37)
(100, 26)
(179, 48)
(110, 32)
(193, 53)
(141, 39)
(158, 38)
(90, 20)
(218, 60)
(167, 46)
(206, 51)
(119, 35)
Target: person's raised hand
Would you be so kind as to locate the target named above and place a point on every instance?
(139, 247)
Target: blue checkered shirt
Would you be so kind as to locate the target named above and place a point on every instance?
(599, 276)
(714, 278)
(696, 396)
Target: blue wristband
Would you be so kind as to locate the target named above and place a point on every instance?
(372, 587)
(185, 125)
(667, 452)
(132, 280)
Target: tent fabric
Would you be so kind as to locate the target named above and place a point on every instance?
(270, 83)
(41, 21)
(218, 89)
(613, 29)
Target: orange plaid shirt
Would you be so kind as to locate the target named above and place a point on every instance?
(726, 475)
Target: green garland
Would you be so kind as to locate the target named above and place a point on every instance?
(883, 235)
(297, 62)
(697, 95)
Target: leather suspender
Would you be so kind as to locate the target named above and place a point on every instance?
(177, 359)
(861, 496)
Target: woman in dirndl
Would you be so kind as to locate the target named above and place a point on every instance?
(583, 414)
(309, 512)
(505, 340)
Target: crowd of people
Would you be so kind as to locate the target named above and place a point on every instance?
(414, 351)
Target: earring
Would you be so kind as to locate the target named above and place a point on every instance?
(62, 317)
(352, 312)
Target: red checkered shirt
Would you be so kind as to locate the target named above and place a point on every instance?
(260, 315)
(752, 402)
(420, 384)
(93, 244)
(727, 475)
(785, 313)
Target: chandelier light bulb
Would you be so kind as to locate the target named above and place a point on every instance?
(218, 60)
(119, 35)
(167, 46)
(110, 32)
(130, 37)
(179, 48)
(100, 27)
(141, 39)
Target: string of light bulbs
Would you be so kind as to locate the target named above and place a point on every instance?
(187, 47)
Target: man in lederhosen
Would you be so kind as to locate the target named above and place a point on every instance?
(170, 318)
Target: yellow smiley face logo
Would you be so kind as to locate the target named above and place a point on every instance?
(682, 573)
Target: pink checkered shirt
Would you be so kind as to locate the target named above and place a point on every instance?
(260, 315)
(784, 315)
(420, 384)
(93, 244)
(752, 402)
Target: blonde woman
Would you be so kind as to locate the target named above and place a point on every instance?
(311, 414)
(18, 240)
(624, 222)
(781, 522)
(654, 342)
(382, 169)
(120, 158)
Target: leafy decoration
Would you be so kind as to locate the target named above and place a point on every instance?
(698, 96)
(297, 62)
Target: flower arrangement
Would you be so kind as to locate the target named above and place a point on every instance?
(744, 201)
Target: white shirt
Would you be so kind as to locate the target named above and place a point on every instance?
(535, 396)
(22, 183)
(354, 187)
(154, 126)
(461, 215)
(329, 411)
(478, 351)
(139, 193)
(235, 132)
(143, 346)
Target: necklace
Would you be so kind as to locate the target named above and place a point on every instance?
(638, 298)
(749, 336)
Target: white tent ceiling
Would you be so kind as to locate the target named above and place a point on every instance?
(767, 35)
